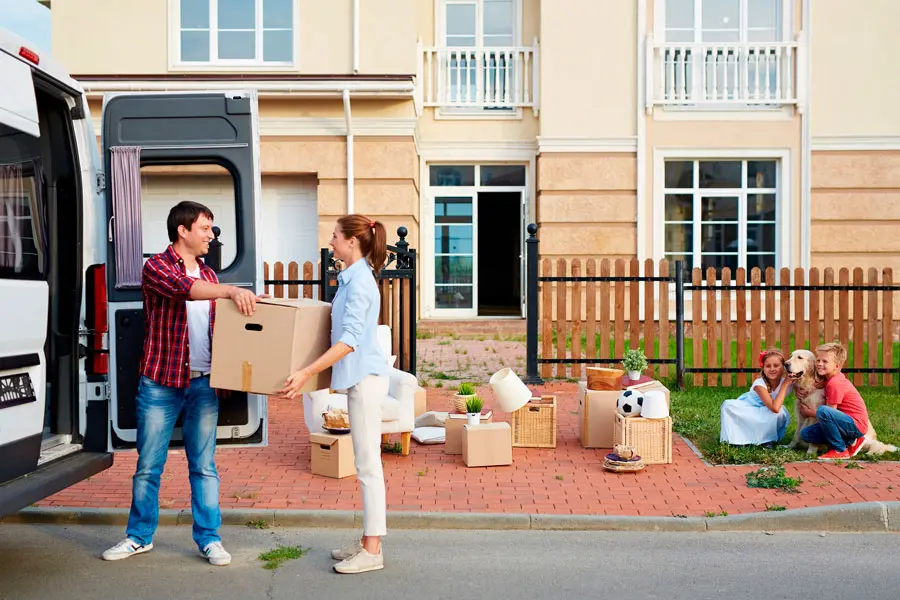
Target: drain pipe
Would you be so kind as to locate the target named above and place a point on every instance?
(350, 176)
(355, 37)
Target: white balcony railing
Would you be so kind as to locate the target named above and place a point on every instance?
(479, 79)
(692, 74)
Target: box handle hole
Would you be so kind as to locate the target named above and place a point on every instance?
(253, 327)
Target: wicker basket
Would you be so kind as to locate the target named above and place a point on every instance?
(651, 438)
(459, 402)
(534, 425)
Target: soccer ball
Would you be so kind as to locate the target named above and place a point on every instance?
(629, 403)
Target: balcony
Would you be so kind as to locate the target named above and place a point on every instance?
(488, 81)
(726, 76)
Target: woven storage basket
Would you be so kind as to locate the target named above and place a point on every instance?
(459, 402)
(534, 425)
(651, 438)
(599, 378)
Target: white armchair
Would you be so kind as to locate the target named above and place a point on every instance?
(398, 409)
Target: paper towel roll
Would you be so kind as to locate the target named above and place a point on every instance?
(511, 393)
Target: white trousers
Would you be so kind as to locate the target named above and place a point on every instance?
(364, 405)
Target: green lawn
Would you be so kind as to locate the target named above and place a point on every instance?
(695, 415)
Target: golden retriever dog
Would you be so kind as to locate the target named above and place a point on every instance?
(809, 390)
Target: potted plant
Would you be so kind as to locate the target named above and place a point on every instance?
(473, 410)
(634, 362)
(465, 391)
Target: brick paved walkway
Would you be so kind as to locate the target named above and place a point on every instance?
(567, 480)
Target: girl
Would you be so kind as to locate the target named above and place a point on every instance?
(758, 416)
(359, 370)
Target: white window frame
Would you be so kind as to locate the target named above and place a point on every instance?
(440, 37)
(466, 157)
(659, 22)
(216, 64)
(782, 193)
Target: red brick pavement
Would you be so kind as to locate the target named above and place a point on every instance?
(565, 480)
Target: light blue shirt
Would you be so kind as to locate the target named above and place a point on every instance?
(354, 321)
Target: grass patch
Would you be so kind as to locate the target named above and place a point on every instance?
(280, 555)
(772, 478)
(260, 524)
(711, 514)
(393, 448)
(696, 415)
(776, 508)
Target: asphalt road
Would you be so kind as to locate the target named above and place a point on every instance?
(54, 561)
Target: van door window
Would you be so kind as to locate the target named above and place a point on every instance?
(23, 219)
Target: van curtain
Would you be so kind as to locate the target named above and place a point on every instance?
(127, 229)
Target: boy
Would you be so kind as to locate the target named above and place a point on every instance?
(843, 419)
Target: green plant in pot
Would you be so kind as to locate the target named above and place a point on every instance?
(634, 362)
(464, 393)
(473, 410)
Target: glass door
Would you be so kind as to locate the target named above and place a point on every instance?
(455, 248)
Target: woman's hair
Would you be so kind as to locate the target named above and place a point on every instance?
(371, 235)
(763, 356)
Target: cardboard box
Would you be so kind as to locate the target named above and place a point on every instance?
(596, 416)
(454, 427)
(257, 354)
(420, 401)
(332, 455)
(652, 385)
(488, 445)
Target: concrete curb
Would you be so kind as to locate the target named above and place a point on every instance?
(861, 517)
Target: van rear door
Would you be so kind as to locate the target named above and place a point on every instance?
(193, 146)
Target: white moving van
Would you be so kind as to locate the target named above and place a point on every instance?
(70, 335)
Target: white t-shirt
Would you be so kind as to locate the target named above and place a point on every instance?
(198, 330)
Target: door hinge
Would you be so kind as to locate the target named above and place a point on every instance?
(101, 181)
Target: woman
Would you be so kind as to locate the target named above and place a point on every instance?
(359, 369)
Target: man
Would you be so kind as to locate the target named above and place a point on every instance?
(179, 314)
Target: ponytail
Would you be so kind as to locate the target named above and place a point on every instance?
(372, 238)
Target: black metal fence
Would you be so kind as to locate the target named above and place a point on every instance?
(680, 278)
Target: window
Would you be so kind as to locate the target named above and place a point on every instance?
(236, 32)
(23, 230)
(486, 74)
(720, 50)
(724, 21)
(721, 213)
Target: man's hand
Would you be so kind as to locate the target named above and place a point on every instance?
(295, 383)
(245, 300)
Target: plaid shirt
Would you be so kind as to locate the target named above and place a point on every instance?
(166, 286)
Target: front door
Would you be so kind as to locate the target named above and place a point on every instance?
(202, 145)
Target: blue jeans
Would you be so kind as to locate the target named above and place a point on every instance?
(158, 408)
(836, 429)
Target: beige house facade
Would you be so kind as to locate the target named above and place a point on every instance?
(732, 133)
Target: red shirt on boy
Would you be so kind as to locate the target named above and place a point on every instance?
(841, 394)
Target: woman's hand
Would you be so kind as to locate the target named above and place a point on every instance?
(295, 383)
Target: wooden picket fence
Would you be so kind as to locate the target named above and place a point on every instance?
(729, 319)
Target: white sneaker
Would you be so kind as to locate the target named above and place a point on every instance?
(362, 562)
(125, 548)
(215, 553)
(348, 551)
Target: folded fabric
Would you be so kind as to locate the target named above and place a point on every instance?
(431, 419)
(429, 435)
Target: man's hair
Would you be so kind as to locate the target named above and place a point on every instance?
(185, 213)
(836, 350)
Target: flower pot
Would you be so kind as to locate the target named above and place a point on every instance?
(634, 375)
(473, 418)
(459, 402)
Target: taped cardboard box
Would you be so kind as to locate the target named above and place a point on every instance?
(487, 445)
(454, 426)
(596, 416)
(256, 354)
(332, 455)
